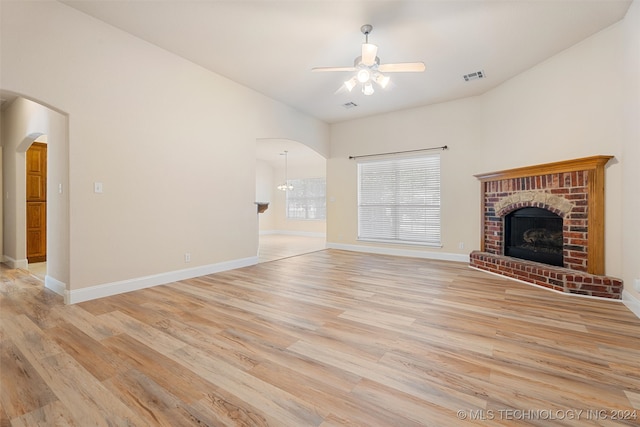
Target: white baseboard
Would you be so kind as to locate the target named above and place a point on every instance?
(114, 288)
(632, 302)
(16, 263)
(443, 256)
(293, 233)
(55, 285)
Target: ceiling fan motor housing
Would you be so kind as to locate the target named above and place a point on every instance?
(358, 62)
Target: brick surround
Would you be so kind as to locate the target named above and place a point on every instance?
(573, 190)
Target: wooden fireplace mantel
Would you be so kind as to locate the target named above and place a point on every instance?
(586, 163)
(594, 166)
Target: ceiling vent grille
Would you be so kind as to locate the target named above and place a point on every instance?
(349, 105)
(474, 76)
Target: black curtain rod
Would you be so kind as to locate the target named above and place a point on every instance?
(444, 147)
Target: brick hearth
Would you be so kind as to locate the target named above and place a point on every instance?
(557, 278)
(573, 190)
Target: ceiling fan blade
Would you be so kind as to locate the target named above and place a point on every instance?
(333, 69)
(369, 52)
(403, 67)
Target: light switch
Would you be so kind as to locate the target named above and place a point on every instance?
(97, 187)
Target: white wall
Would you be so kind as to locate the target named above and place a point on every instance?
(265, 190)
(164, 136)
(631, 155)
(454, 124)
(570, 106)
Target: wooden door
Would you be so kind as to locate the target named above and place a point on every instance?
(37, 202)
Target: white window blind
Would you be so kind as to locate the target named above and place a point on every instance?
(399, 200)
(307, 200)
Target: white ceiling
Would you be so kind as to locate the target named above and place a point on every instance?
(271, 45)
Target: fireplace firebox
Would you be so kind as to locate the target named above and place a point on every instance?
(534, 234)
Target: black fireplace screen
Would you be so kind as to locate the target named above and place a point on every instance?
(534, 234)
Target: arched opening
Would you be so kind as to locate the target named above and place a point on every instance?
(289, 227)
(24, 122)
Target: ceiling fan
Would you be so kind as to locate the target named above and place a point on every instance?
(368, 68)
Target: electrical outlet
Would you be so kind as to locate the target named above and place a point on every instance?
(461, 245)
(187, 257)
(636, 285)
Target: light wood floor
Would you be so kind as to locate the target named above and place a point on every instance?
(279, 246)
(38, 269)
(330, 338)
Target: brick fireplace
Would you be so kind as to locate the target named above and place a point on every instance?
(572, 191)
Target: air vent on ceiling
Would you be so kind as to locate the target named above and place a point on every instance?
(474, 76)
(349, 105)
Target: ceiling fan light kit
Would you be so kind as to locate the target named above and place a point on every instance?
(368, 68)
(367, 88)
(383, 81)
(351, 83)
(363, 75)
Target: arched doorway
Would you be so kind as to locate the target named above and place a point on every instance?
(23, 122)
(281, 234)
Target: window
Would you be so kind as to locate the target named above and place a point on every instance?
(307, 200)
(399, 200)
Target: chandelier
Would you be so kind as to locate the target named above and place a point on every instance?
(285, 186)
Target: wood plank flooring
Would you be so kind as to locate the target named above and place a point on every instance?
(279, 246)
(330, 338)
